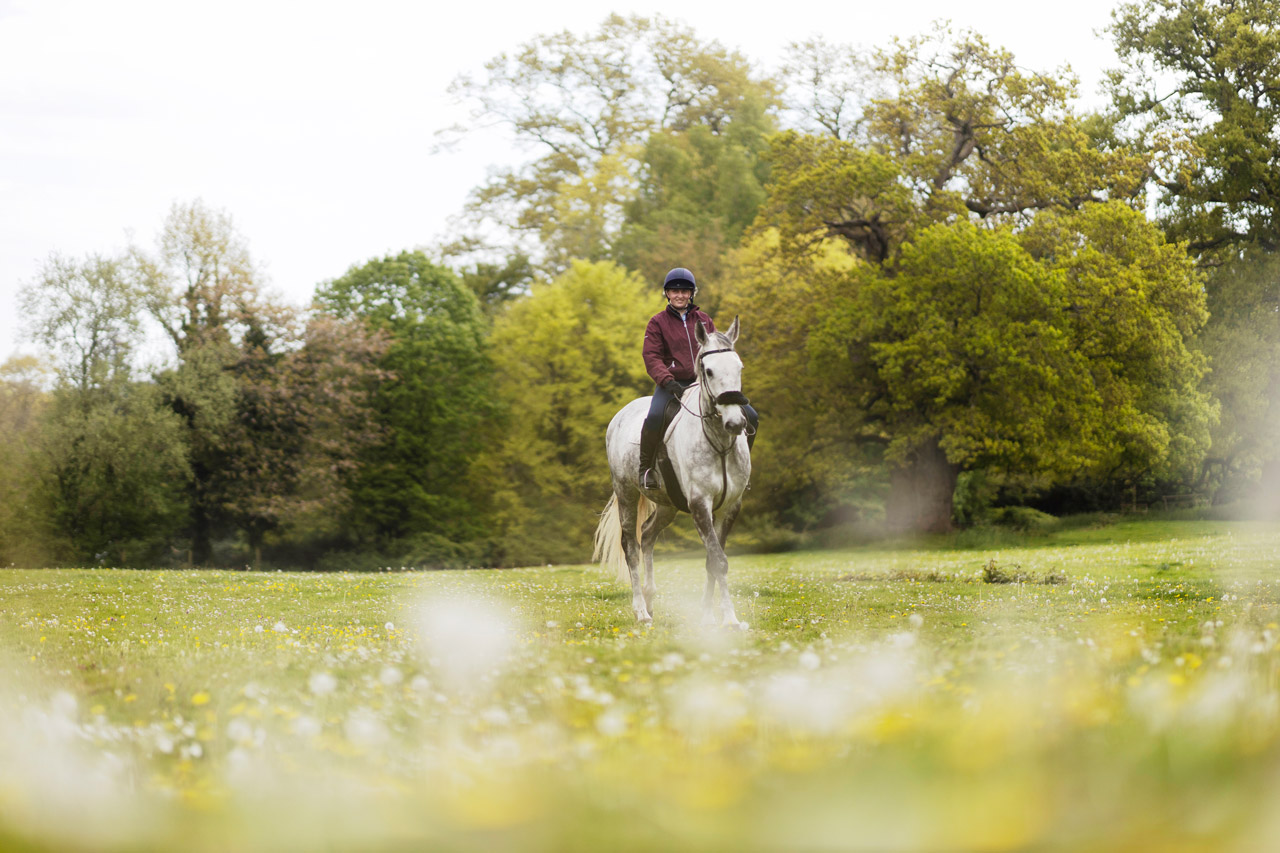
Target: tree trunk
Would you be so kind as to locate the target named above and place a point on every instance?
(255, 532)
(921, 491)
(201, 537)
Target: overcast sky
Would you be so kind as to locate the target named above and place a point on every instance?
(312, 123)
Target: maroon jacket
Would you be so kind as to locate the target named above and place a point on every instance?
(671, 345)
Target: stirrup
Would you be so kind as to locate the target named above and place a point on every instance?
(649, 479)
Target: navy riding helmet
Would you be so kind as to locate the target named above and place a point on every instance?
(679, 278)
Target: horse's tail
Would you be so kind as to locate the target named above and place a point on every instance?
(608, 551)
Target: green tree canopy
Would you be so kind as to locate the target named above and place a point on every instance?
(1062, 351)
(27, 534)
(699, 191)
(110, 461)
(588, 104)
(568, 358)
(434, 406)
(1200, 88)
(961, 131)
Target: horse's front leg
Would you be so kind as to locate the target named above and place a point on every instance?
(717, 567)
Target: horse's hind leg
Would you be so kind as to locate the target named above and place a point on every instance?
(628, 511)
(717, 567)
(653, 525)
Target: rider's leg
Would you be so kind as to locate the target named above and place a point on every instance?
(753, 419)
(650, 435)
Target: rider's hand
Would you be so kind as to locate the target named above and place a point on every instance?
(674, 388)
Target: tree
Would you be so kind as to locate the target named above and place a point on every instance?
(962, 132)
(567, 358)
(27, 536)
(699, 191)
(434, 405)
(115, 466)
(588, 104)
(811, 460)
(1061, 351)
(88, 315)
(828, 88)
(203, 290)
(1200, 86)
(1242, 341)
(112, 462)
(304, 417)
(269, 401)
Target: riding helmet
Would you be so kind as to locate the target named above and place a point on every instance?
(680, 278)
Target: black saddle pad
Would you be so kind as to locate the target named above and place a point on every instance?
(668, 472)
(670, 483)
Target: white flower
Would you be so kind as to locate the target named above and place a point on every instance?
(280, 628)
(810, 660)
(306, 726)
(322, 684)
(364, 728)
(612, 723)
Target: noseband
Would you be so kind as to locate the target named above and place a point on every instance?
(728, 398)
(732, 398)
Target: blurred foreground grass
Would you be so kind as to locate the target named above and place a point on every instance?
(883, 699)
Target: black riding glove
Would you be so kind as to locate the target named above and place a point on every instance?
(674, 388)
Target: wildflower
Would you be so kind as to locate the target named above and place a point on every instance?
(322, 684)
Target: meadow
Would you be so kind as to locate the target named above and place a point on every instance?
(1106, 687)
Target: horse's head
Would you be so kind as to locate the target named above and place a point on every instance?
(720, 376)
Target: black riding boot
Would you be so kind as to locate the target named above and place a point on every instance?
(648, 450)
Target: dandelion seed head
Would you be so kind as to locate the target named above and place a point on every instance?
(322, 684)
(363, 727)
(465, 639)
(612, 723)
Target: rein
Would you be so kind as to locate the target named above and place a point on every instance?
(728, 398)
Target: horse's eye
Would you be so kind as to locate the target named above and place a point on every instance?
(710, 373)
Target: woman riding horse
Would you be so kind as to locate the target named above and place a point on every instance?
(670, 351)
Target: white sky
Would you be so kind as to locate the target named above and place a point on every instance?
(312, 122)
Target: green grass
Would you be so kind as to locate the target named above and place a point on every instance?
(884, 698)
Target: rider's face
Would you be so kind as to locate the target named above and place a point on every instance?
(679, 298)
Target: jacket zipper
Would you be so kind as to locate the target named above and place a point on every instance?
(693, 357)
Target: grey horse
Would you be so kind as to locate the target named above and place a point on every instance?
(712, 462)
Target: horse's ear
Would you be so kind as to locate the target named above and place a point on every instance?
(732, 334)
(700, 332)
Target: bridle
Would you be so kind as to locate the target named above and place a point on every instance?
(728, 398)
